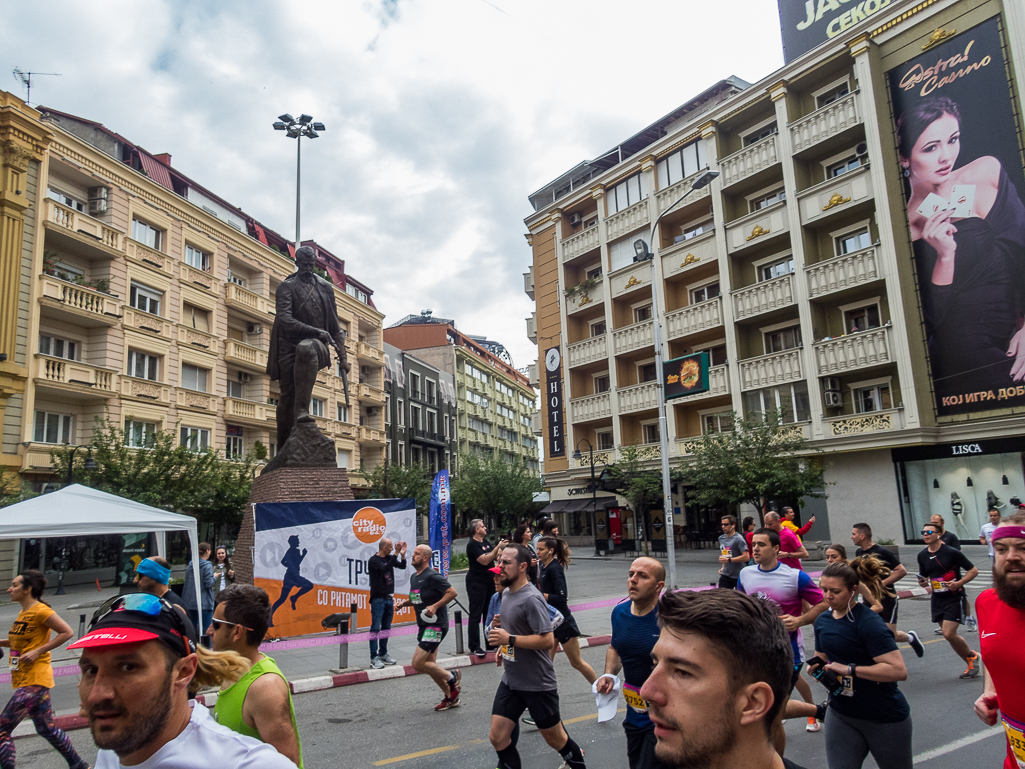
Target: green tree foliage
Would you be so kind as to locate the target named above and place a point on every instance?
(495, 490)
(164, 474)
(391, 481)
(641, 487)
(11, 491)
(755, 462)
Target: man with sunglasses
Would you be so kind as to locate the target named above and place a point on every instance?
(939, 567)
(259, 704)
(138, 661)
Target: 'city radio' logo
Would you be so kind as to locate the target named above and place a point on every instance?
(368, 525)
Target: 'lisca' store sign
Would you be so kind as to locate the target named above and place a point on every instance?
(553, 403)
(967, 448)
(947, 450)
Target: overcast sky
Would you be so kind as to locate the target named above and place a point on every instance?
(442, 115)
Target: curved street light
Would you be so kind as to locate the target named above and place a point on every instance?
(296, 128)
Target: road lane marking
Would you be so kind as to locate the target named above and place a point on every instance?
(950, 747)
(419, 754)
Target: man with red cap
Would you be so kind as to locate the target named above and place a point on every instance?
(139, 660)
(1001, 613)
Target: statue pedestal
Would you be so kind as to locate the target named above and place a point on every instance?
(286, 484)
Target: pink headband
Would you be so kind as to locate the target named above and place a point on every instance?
(1008, 531)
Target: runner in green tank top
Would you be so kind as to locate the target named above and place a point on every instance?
(255, 704)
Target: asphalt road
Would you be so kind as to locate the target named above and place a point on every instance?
(392, 723)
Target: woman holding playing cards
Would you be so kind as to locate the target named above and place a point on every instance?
(968, 232)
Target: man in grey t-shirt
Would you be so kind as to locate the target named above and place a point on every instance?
(523, 631)
(732, 553)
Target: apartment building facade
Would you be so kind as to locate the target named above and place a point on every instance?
(420, 412)
(797, 271)
(147, 300)
(494, 402)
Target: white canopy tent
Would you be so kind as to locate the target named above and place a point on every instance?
(78, 511)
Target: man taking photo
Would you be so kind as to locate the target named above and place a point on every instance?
(480, 585)
(382, 568)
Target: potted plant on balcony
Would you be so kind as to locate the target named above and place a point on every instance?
(582, 288)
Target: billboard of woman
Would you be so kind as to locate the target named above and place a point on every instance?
(961, 163)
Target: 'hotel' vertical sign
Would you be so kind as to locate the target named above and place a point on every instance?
(553, 403)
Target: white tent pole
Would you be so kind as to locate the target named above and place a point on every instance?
(161, 543)
(194, 545)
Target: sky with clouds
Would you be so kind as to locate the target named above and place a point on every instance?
(442, 115)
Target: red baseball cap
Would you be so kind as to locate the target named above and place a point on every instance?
(495, 569)
(152, 620)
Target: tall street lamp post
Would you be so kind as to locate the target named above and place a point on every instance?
(90, 464)
(296, 128)
(642, 253)
(594, 489)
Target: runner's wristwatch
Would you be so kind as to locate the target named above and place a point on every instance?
(512, 641)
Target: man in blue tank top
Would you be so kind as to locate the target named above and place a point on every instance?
(634, 634)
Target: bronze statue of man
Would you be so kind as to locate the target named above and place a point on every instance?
(305, 327)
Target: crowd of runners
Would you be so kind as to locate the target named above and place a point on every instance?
(707, 676)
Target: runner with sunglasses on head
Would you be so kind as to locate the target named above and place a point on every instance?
(31, 673)
(259, 704)
(140, 660)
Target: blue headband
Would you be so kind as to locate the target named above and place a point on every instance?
(153, 570)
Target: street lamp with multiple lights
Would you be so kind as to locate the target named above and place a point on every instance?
(642, 253)
(594, 489)
(90, 464)
(296, 128)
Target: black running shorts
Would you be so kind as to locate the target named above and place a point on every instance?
(543, 706)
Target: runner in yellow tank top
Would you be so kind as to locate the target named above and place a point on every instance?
(254, 705)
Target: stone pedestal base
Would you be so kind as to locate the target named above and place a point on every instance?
(288, 484)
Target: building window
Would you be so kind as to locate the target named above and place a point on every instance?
(56, 347)
(776, 269)
(446, 433)
(768, 199)
(342, 414)
(479, 425)
(233, 445)
(432, 390)
(853, 241)
(704, 293)
(432, 460)
(194, 378)
(414, 385)
(415, 417)
(717, 423)
(593, 273)
(432, 421)
(689, 231)
(53, 428)
(238, 280)
(861, 318)
(716, 354)
(196, 258)
(401, 412)
(147, 234)
(843, 167)
(647, 372)
(874, 398)
(145, 298)
(760, 133)
(642, 313)
(195, 438)
(139, 434)
(234, 388)
(602, 383)
(597, 328)
(352, 291)
(832, 95)
(790, 400)
(677, 166)
(195, 317)
(627, 192)
(415, 455)
(782, 339)
(143, 365)
(65, 200)
(649, 432)
(343, 457)
(605, 440)
(317, 407)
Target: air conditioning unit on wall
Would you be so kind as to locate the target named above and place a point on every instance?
(254, 328)
(575, 219)
(831, 383)
(244, 377)
(833, 399)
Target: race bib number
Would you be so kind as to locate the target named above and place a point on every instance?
(848, 686)
(431, 635)
(507, 653)
(14, 660)
(414, 597)
(1015, 732)
(937, 586)
(633, 698)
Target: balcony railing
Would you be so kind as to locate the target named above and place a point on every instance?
(371, 393)
(236, 408)
(528, 282)
(763, 297)
(586, 299)
(842, 272)
(769, 370)
(81, 224)
(749, 161)
(150, 257)
(639, 397)
(535, 423)
(854, 351)
(590, 407)
(195, 400)
(835, 196)
(144, 321)
(370, 434)
(588, 351)
(199, 278)
(196, 339)
(668, 196)
(533, 374)
(627, 220)
(694, 318)
(245, 355)
(74, 376)
(860, 424)
(144, 389)
(634, 337)
(688, 254)
(532, 327)
(824, 122)
(580, 243)
(631, 278)
(758, 227)
(371, 353)
(83, 303)
(245, 300)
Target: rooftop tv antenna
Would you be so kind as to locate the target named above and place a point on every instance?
(26, 79)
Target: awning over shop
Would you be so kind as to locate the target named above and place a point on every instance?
(558, 506)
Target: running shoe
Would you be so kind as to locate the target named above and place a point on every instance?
(479, 653)
(447, 704)
(565, 764)
(387, 659)
(528, 721)
(813, 724)
(971, 623)
(972, 670)
(916, 643)
(938, 630)
(453, 686)
(376, 663)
